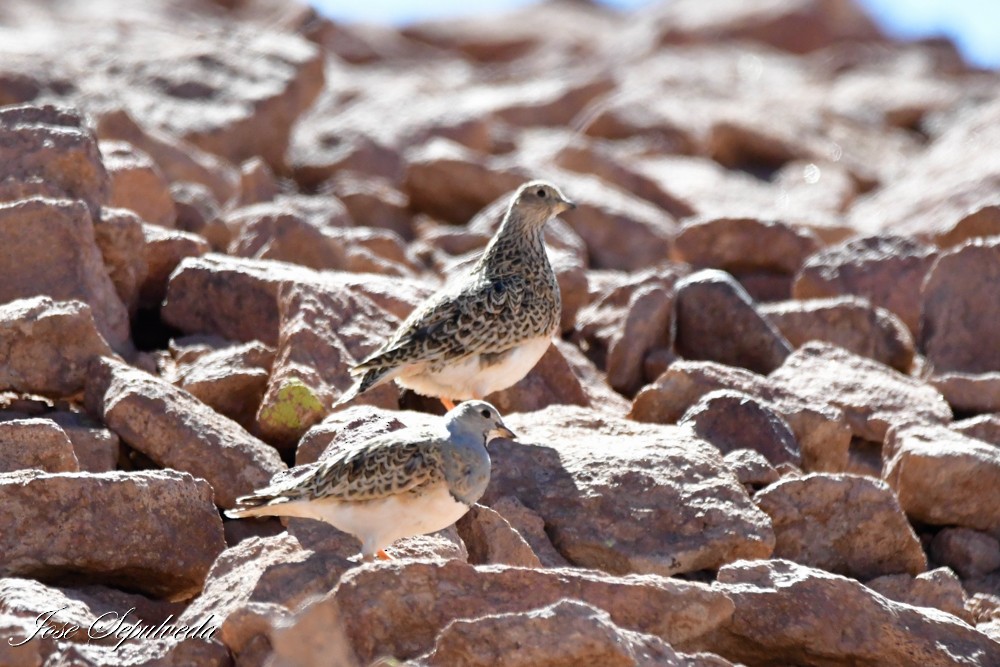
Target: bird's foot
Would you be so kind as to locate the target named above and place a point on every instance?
(447, 403)
(383, 555)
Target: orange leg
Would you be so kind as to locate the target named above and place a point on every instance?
(447, 403)
(382, 555)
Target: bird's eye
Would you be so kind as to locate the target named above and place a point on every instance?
(541, 193)
(485, 413)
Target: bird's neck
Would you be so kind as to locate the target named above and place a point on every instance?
(516, 242)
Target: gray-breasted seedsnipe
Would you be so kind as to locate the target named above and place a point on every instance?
(408, 482)
(484, 332)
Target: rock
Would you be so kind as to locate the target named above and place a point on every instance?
(314, 635)
(887, 270)
(231, 381)
(246, 631)
(591, 496)
(120, 239)
(939, 589)
(396, 593)
(969, 393)
(176, 430)
(165, 553)
(847, 322)
(595, 385)
(730, 421)
(96, 448)
(47, 151)
(166, 652)
(372, 201)
(751, 468)
(238, 298)
(627, 319)
(551, 381)
(257, 183)
(568, 632)
(198, 212)
(776, 620)
(324, 332)
(846, 524)
(872, 396)
(943, 194)
(137, 183)
(47, 345)
(941, 477)
(163, 250)
(958, 313)
(180, 161)
(65, 263)
(710, 306)
(983, 427)
(490, 540)
(35, 443)
(531, 526)
(741, 245)
(822, 431)
(968, 552)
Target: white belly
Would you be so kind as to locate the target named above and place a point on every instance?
(379, 523)
(472, 378)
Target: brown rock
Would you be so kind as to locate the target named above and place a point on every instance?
(178, 431)
(137, 183)
(626, 320)
(531, 526)
(872, 396)
(47, 345)
(64, 263)
(847, 322)
(730, 421)
(231, 381)
(35, 443)
(959, 312)
(246, 631)
(983, 427)
(257, 183)
(710, 307)
(590, 496)
(751, 468)
(595, 385)
(312, 636)
(944, 194)
(938, 588)
(846, 524)
(398, 591)
(47, 151)
(887, 270)
(163, 250)
(822, 431)
(943, 478)
(740, 245)
(165, 652)
(969, 392)
(969, 552)
(198, 212)
(180, 161)
(776, 620)
(567, 632)
(119, 237)
(165, 553)
(96, 448)
(491, 540)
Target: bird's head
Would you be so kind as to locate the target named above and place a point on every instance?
(477, 418)
(538, 201)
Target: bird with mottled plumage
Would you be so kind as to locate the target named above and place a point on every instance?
(409, 482)
(483, 332)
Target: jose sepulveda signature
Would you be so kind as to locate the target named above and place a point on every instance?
(115, 625)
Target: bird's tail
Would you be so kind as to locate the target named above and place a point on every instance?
(260, 503)
(371, 377)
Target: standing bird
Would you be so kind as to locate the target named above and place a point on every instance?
(484, 332)
(404, 483)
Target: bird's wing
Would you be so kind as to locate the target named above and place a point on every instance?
(390, 464)
(453, 323)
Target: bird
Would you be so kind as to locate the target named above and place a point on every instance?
(413, 481)
(484, 331)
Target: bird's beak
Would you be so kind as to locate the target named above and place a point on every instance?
(566, 205)
(502, 431)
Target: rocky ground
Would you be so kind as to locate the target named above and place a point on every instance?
(769, 434)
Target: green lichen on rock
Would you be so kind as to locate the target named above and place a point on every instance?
(295, 407)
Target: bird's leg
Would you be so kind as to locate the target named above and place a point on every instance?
(447, 403)
(383, 555)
